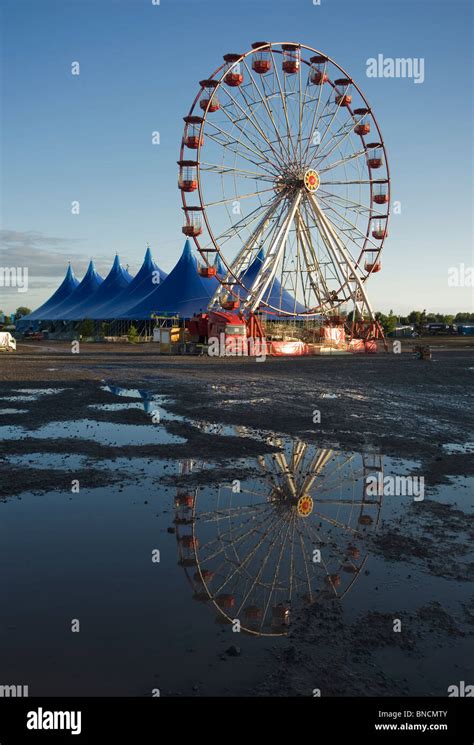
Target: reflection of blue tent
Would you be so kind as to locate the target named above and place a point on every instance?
(276, 296)
(116, 281)
(144, 282)
(183, 292)
(89, 284)
(64, 291)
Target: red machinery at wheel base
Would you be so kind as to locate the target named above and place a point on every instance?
(230, 333)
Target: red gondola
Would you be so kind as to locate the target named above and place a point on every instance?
(187, 179)
(318, 75)
(291, 59)
(193, 225)
(375, 159)
(209, 100)
(192, 138)
(233, 76)
(207, 271)
(261, 62)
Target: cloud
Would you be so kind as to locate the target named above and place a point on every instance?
(45, 256)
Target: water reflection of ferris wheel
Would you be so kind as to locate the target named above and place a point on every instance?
(260, 549)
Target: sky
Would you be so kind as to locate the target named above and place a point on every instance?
(89, 137)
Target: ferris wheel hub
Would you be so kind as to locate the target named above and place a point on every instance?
(305, 505)
(311, 180)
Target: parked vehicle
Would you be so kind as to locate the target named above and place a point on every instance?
(7, 342)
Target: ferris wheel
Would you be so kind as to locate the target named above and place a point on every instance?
(282, 541)
(282, 161)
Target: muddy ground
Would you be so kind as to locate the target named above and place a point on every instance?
(403, 406)
(396, 404)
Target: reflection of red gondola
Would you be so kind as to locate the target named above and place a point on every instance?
(224, 600)
(189, 541)
(184, 500)
(281, 614)
(205, 576)
(350, 569)
(253, 613)
(354, 552)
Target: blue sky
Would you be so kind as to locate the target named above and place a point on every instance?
(88, 137)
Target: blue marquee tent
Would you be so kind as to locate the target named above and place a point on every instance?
(64, 291)
(183, 292)
(89, 307)
(89, 284)
(147, 279)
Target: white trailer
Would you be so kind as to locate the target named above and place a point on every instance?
(7, 342)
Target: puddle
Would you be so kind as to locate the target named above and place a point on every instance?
(107, 433)
(284, 532)
(453, 447)
(30, 394)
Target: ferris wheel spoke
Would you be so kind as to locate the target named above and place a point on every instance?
(319, 462)
(351, 280)
(351, 502)
(335, 523)
(292, 571)
(306, 564)
(335, 549)
(258, 577)
(283, 101)
(338, 267)
(313, 128)
(215, 167)
(354, 227)
(315, 275)
(351, 202)
(238, 197)
(342, 161)
(220, 515)
(253, 147)
(252, 119)
(263, 100)
(221, 538)
(332, 118)
(246, 221)
(361, 182)
(338, 137)
(241, 564)
(327, 112)
(276, 574)
(227, 146)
